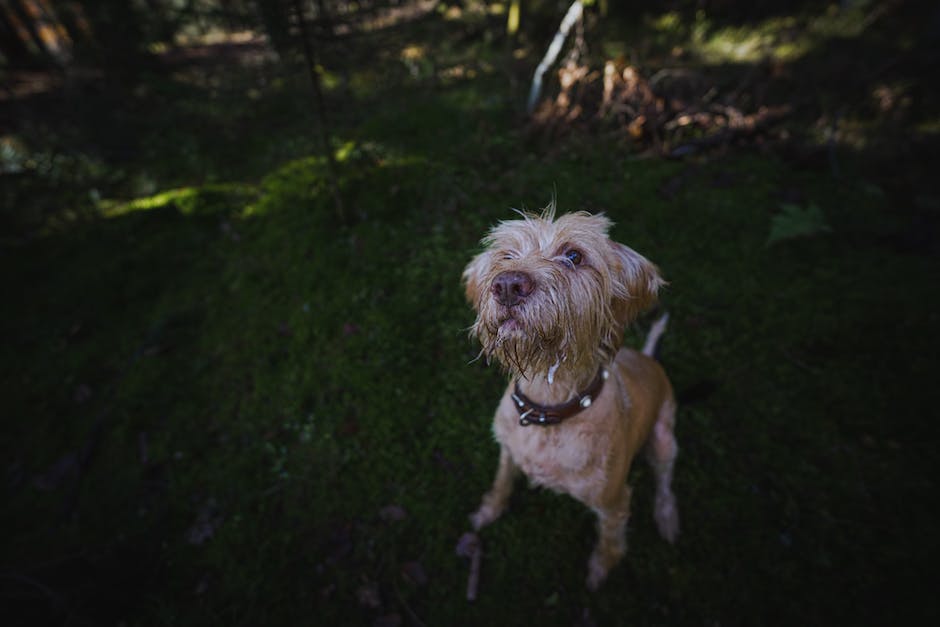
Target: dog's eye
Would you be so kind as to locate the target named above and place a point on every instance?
(574, 256)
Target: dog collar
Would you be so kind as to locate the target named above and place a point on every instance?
(544, 415)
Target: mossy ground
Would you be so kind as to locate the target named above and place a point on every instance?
(235, 354)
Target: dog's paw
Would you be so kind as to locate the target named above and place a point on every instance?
(597, 572)
(483, 516)
(666, 515)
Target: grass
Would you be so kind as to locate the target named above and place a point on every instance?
(212, 394)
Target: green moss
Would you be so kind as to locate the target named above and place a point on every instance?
(239, 354)
(188, 200)
(713, 40)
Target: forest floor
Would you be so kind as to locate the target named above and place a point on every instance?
(227, 401)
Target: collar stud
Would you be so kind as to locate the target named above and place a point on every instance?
(546, 415)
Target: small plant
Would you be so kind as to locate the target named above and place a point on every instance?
(795, 221)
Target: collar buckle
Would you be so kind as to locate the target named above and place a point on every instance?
(546, 415)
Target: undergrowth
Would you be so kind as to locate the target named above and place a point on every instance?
(230, 403)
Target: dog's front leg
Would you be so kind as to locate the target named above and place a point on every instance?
(494, 502)
(611, 537)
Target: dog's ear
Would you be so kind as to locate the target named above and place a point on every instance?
(636, 284)
(473, 280)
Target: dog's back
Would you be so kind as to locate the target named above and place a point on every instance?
(647, 391)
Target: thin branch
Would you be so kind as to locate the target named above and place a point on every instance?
(574, 13)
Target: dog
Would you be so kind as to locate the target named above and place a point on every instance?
(552, 299)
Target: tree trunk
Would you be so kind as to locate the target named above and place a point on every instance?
(311, 61)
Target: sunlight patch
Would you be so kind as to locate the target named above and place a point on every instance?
(782, 38)
(187, 200)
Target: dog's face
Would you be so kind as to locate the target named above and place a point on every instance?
(556, 292)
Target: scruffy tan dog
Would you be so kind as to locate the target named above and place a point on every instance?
(553, 297)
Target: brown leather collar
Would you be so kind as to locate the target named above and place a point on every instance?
(544, 415)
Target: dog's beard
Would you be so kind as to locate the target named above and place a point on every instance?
(535, 341)
(522, 349)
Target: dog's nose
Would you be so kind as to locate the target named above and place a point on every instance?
(510, 288)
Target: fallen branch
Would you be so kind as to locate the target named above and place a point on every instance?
(470, 546)
(573, 15)
(738, 127)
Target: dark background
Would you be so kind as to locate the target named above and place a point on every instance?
(236, 383)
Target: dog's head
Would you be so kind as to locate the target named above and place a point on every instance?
(556, 292)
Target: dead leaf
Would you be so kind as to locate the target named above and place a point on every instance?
(415, 573)
(368, 595)
(393, 513)
(207, 522)
(64, 467)
(389, 620)
(468, 544)
(81, 394)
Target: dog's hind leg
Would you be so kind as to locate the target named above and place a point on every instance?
(661, 452)
(494, 502)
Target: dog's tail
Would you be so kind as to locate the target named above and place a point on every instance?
(656, 332)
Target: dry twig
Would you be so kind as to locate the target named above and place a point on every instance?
(470, 546)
